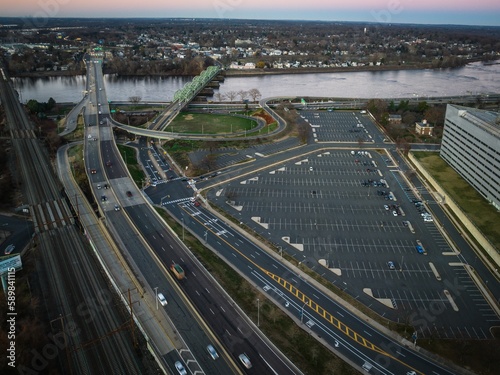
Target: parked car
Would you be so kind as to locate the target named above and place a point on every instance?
(391, 265)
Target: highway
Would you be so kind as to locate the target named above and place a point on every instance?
(235, 332)
(78, 301)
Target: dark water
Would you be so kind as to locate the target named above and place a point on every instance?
(473, 79)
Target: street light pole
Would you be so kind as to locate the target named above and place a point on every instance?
(182, 218)
(156, 296)
(258, 312)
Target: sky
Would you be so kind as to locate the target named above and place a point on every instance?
(458, 12)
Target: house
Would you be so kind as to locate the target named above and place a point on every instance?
(423, 128)
(395, 119)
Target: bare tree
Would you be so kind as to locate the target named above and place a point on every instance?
(242, 94)
(231, 95)
(254, 94)
(219, 96)
(134, 99)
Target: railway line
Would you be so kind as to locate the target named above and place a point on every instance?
(78, 300)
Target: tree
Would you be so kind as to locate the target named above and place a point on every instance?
(33, 106)
(254, 94)
(435, 115)
(51, 104)
(134, 99)
(219, 96)
(231, 95)
(260, 64)
(242, 94)
(422, 106)
(377, 107)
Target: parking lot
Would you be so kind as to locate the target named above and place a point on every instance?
(350, 216)
(339, 126)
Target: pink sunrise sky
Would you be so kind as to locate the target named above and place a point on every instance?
(485, 12)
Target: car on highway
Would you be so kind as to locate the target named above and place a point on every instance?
(244, 360)
(9, 249)
(98, 186)
(391, 265)
(117, 208)
(162, 299)
(93, 171)
(180, 368)
(103, 198)
(129, 193)
(213, 353)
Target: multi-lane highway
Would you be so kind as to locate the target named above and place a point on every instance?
(234, 332)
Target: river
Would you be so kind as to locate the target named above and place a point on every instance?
(472, 79)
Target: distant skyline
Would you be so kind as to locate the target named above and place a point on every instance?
(457, 12)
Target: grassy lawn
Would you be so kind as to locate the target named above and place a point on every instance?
(479, 211)
(129, 156)
(204, 123)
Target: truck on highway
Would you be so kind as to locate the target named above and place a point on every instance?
(177, 271)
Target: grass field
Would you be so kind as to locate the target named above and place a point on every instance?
(204, 123)
(129, 156)
(479, 211)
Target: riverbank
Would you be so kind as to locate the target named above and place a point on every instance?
(382, 68)
(241, 73)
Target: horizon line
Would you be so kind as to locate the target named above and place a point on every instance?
(245, 19)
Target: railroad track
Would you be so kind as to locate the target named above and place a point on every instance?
(75, 292)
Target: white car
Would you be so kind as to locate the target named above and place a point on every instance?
(245, 361)
(213, 353)
(394, 213)
(162, 299)
(180, 368)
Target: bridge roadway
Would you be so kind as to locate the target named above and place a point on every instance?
(96, 339)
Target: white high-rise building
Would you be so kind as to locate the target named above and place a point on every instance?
(471, 146)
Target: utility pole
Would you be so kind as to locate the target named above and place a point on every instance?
(258, 312)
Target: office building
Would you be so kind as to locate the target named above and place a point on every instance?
(471, 146)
